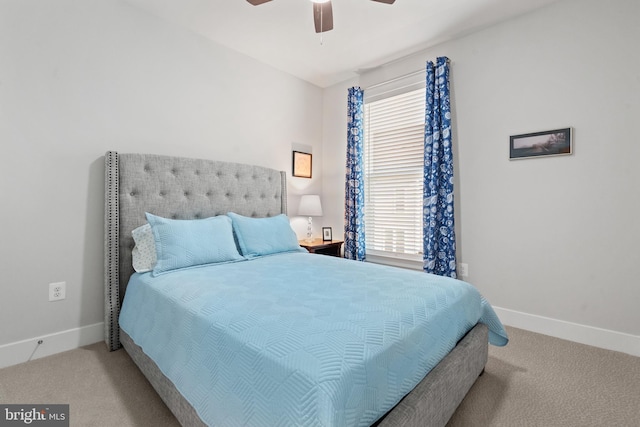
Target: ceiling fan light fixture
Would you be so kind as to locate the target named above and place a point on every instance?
(322, 12)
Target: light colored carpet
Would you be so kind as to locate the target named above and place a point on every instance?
(535, 381)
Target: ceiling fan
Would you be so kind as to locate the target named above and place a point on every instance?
(322, 12)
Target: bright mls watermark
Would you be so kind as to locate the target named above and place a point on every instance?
(34, 415)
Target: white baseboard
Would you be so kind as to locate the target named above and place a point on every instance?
(597, 337)
(23, 351)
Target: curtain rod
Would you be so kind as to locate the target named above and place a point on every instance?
(413, 73)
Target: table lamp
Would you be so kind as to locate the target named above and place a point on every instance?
(310, 206)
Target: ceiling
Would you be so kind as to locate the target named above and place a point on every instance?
(366, 34)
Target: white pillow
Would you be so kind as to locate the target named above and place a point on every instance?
(144, 252)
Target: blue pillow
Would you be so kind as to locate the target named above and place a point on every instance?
(189, 243)
(264, 236)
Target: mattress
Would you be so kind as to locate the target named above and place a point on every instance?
(299, 339)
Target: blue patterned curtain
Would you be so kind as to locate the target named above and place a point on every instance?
(439, 231)
(354, 183)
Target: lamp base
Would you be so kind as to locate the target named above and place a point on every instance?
(309, 238)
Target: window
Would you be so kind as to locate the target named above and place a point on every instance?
(393, 175)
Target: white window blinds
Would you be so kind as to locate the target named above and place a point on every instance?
(393, 162)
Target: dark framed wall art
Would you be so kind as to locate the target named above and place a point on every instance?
(327, 235)
(301, 164)
(555, 142)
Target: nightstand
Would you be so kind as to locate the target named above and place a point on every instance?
(318, 246)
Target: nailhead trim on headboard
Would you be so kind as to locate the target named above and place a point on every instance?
(179, 188)
(111, 252)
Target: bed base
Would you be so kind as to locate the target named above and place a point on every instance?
(431, 403)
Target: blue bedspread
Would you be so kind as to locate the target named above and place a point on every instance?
(299, 339)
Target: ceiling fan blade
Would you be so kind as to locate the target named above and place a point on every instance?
(385, 1)
(257, 2)
(323, 17)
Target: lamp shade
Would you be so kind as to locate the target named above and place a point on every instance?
(310, 205)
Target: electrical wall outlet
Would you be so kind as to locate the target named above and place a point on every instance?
(463, 269)
(57, 291)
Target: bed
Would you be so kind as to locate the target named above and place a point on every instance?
(267, 312)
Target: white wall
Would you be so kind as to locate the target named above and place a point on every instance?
(549, 238)
(80, 78)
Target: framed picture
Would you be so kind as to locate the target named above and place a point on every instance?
(301, 164)
(326, 234)
(548, 143)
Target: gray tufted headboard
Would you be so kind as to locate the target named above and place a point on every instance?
(179, 188)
